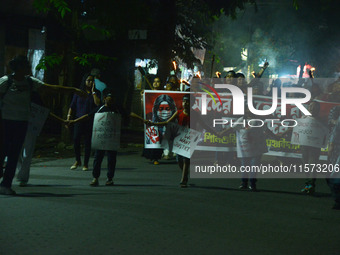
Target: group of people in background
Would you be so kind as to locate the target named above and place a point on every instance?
(310, 155)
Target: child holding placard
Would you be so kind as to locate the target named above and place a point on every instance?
(111, 107)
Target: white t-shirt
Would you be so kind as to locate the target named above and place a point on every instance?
(17, 100)
(250, 142)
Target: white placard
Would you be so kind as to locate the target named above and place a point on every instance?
(185, 142)
(37, 119)
(106, 131)
(310, 132)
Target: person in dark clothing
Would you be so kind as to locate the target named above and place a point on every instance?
(79, 107)
(109, 106)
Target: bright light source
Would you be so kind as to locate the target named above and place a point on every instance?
(144, 63)
(244, 54)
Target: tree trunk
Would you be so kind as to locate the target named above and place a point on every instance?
(167, 37)
(69, 73)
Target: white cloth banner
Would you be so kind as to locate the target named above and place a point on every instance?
(106, 131)
(37, 119)
(310, 132)
(185, 143)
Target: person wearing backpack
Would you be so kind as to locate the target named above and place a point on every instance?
(15, 94)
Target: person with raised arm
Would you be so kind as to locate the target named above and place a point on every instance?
(109, 106)
(80, 106)
(15, 93)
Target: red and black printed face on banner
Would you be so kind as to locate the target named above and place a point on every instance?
(164, 111)
(164, 107)
(161, 105)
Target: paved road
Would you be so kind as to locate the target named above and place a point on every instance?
(147, 213)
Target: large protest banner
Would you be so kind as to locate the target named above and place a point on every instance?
(211, 141)
(106, 131)
(281, 147)
(159, 106)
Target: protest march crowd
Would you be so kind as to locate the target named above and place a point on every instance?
(169, 111)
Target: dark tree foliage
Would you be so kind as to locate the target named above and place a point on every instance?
(285, 36)
(174, 26)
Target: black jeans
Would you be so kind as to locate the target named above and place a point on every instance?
(111, 163)
(13, 137)
(82, 130)
(249, 162)
(310, 155)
